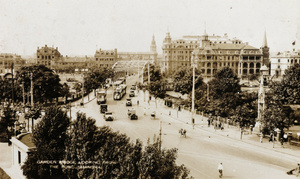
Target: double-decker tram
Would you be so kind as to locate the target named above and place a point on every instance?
(119, 92)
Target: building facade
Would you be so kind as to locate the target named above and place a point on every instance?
(10, 63)
(104, 58)
(280, 61)
(212, 53)
(47, 56)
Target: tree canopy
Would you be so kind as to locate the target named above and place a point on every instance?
(287, 91)
(96, 77)
(183, 80)
(46, 84)
(224, 81)
(95, 152)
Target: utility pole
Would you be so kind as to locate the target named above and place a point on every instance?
(148, 74)
(193, 90)
(31, 90)
(160, 135)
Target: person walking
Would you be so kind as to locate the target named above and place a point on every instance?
(220, 168)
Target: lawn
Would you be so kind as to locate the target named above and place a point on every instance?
(3, 175)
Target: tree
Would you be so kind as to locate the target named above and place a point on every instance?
(49, 138)
(65, 91)
(287, 91)
(155, 74)
(96, 77)
(157, 163)
(274, 117)
(46, 84)
(156, 89)
(7, 120)
(183, 80)
(224, 81)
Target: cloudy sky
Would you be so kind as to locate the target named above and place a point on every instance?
(79, 27)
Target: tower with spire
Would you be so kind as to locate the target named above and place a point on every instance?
(153, 45)
(265, 51)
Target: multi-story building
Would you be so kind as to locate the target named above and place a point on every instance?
(47, 56)
(104, 58)
(10, 63)
(213, 53)
(280, 61)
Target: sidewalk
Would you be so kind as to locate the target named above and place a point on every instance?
(229, 131)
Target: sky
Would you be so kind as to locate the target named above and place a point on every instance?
(80, 27)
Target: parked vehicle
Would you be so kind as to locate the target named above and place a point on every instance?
(108, 116)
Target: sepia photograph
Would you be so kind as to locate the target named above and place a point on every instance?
(149, 89)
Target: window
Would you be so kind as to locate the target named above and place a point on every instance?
(278, 60)
(19, 157)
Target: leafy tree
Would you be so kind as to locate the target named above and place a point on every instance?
(155, 74)
(157, 163)
(46, 84)
(183, 80)
(287, 91)
(96, 77)
(65, 91)
(274, 117)
(224, 81)
(49, 138)
(156, 89)
(81, 145)
(7, 120)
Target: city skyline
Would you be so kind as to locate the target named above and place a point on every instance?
(80, 27)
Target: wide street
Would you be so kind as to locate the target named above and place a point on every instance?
(201, 150)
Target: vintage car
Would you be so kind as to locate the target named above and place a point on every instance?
(108, 116)
(128, 102)
(132, 114)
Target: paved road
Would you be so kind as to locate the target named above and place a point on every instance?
(202, 150)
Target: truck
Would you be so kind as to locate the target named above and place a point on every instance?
(101, 96)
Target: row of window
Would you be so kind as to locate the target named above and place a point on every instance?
(106, 53)
(45, 57)
(106, 59)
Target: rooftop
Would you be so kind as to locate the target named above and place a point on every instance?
(26, 139)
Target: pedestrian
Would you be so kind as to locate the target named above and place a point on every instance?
(261, 137)
(138, 102)
(298, 170)
(220, 169)
(208, 121)
(271, 138)
(285, 137)
(281, 141)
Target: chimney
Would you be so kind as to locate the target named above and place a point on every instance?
(56, 48)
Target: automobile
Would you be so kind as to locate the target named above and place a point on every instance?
(103, 108)
(128, 102)
(108, 116)
(133, 87)
(131, 93)
(131, 114)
